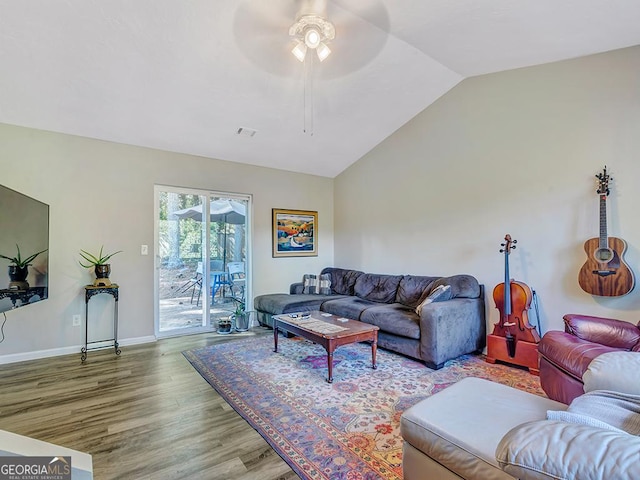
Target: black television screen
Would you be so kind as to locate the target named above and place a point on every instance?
(24, 232)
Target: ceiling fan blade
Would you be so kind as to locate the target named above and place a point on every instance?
(362, 30)
(372, 11)
(261, 30)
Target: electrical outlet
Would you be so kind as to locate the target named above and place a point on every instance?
(76, 320)
(144, 250)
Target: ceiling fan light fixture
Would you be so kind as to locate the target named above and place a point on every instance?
(300, 51)
(312, 37)
(312, 31)
(323, 51)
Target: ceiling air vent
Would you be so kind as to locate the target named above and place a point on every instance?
(245, 132)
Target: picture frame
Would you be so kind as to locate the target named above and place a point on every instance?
(294, 233)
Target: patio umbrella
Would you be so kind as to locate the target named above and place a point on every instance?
(222, 210)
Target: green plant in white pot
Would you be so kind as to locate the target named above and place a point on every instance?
(19, 269)
(100, 266)
(241, 316)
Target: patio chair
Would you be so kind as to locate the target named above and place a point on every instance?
(195, 283)
(217, 280)
(237, 279)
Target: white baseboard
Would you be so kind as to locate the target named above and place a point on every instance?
(55, 352)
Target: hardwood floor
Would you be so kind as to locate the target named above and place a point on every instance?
(146, 414)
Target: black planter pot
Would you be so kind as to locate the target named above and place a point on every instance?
(18, 277)
(102, 275)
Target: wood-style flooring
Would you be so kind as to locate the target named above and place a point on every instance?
(146, 414)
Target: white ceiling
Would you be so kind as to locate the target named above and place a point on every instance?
(184, 75)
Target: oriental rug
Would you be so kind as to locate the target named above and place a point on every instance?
(349, 429)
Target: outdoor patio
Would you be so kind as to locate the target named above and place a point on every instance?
(177, 308)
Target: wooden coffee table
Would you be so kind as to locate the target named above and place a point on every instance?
(326, 330)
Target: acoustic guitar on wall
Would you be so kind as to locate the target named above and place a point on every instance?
(605, 272)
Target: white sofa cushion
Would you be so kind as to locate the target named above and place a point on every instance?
(615, 371)
(547, 449)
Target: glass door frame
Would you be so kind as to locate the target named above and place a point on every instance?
(206, 326)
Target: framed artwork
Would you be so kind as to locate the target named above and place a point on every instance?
(294, 233)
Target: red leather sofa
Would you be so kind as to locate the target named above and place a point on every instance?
(565, 356)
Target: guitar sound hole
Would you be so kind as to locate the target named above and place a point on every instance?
(603, 255)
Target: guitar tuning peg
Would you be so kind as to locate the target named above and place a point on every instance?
(501, 250)
(515, 241)
(513, 246)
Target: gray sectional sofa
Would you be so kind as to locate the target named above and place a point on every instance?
(444, 329)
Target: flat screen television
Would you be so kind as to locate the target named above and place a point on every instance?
(24, 225)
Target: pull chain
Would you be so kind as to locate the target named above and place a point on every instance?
(308, 97)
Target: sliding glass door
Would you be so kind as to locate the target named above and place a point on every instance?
(202, 258)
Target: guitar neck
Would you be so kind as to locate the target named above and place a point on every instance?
(604, 242)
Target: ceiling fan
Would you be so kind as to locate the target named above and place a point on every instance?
(268, 32)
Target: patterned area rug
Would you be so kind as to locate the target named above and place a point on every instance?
(349, 429)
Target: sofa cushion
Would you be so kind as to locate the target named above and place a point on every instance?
(616, 371)
(342, 280)
(277, 303)
(549, 449)
(569, 353)
(348, 307)
(606, 331)
(413, 289)
(462, 286)
(377, 287)
(394, 318)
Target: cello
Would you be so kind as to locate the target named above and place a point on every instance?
(513, 340)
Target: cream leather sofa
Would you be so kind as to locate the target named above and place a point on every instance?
(477, 429)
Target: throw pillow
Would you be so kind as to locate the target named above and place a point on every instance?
(316, 284)
(324, 284)
(616, 371)
(438, 294)
(309, 283)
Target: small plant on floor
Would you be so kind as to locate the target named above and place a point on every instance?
(239, 307)
(225, 325)
(241, 316)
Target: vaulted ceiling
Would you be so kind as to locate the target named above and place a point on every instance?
(186, 75)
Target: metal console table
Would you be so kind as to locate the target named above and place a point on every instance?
(90, 291)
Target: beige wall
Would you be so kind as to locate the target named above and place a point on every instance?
(514, 152)
(103, 193)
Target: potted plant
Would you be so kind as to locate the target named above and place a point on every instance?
(225, 325)
(240, 316)
(100, 266)
(19, 269)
